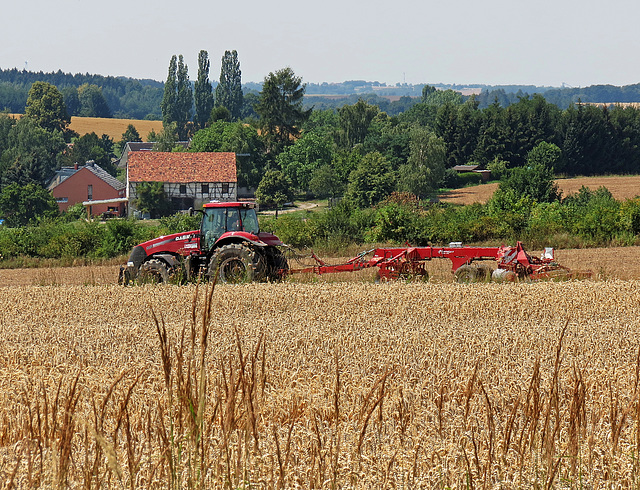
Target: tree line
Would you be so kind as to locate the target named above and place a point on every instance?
(126, 98)
(357, 152)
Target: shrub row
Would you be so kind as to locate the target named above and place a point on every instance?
(61, 239)
(589, 218)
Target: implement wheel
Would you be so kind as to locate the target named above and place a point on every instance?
(483, 273)
(153, 271)
(277, 265)
(236, 263)
(466, 274)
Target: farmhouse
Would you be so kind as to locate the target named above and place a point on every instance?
(190, 178)
(90, 183)
(142, 146)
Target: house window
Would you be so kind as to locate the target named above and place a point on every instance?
(205, 189)
(62, 199)
(89, 192)
(225, 188)
(183, 188)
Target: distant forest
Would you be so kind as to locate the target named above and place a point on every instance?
(130, 98)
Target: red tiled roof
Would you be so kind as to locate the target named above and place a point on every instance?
(181, 167)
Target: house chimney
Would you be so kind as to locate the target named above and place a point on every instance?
(75, 166)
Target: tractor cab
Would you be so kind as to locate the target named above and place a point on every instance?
(223, 217)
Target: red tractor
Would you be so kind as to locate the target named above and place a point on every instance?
(229, 243)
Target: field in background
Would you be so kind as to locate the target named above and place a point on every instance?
(622, 187)
(113, 127)
(110, 126)
(321, 385)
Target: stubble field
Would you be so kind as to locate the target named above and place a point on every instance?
(621, 187)
(321, 384)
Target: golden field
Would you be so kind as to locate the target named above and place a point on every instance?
(605, 263)
(320, 384)
(110, 126)
(622, 187)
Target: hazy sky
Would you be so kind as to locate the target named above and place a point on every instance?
(544, 42)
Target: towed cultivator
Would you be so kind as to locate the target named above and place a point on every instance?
(230, 246)
(513, 264)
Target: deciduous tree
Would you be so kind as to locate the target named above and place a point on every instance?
(169, 98)
(45, 105)
(20, 205)
(307, 154)
(424, 170)
(203, 94)
(274, 188)
(92, 102)
(229, 90)
(355, 121)
(371, 181)
(31, 153)
(184, 100)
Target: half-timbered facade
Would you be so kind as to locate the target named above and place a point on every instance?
(190, 179)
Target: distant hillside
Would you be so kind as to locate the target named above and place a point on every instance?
(126, 97)
(140, 99)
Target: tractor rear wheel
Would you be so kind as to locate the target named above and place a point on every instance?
(153, 271)
(236, 263)
(466, 274)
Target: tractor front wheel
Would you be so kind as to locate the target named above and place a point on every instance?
(153, 271)
(235, 263)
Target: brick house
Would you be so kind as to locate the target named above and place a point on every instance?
(90, 182)
(190, 178)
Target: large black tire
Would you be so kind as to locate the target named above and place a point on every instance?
(483, 273)
(236, 263)
(466, 274)
(277, 265)
(153, 271)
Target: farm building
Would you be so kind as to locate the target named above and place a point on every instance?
(190, 178)
(89, 183)
(141, 146)
(486, 174)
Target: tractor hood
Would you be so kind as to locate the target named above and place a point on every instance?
(177, 243)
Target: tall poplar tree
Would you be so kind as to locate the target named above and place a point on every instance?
(168, 104)
(184, 100)
(203, 94)
(229, 90)
(178, 97)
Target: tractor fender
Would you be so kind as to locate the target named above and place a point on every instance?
(169, 259)
(239, 239)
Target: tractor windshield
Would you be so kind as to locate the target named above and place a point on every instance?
(220, 220)
(249, 220)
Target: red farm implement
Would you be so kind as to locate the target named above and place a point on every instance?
(512, 263)
(230, 246)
